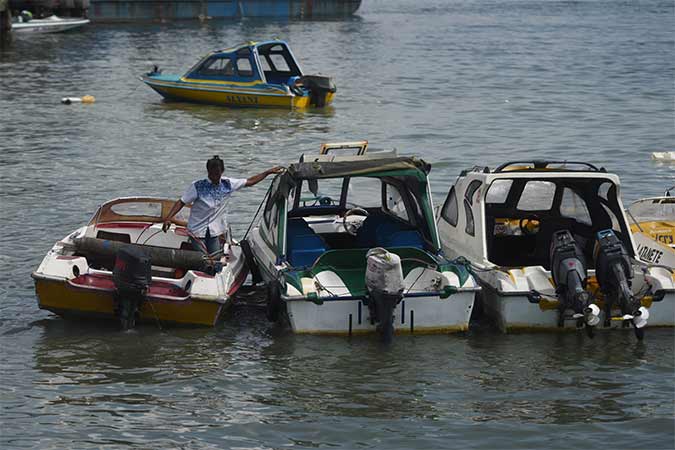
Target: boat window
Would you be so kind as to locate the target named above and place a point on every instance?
(473, 187)
(573, 206)
(279, 63)
(364, 192)
(147, 209)
(264, 64)
(498, 191)
(450, 211)
(218, 67)
(415, 201)
(603, 190)
(321, 192)
(470, 225)
(394, 202)
(244, 68)
(271, 218)
(537, 196)
(653, 210)
(615, 222)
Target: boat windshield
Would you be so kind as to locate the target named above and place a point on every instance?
(523, 214)
(277, 63)
(235, 67)
(138, 210)
(653, 209)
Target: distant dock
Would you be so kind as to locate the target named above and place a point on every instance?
(167, 10)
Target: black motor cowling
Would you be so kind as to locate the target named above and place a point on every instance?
(132, 275)
(319, 87)
(570, 277)
(615, 273)
(381, 306)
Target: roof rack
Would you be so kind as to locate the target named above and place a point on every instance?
(331, 157)
(526, 166)
(361, 147)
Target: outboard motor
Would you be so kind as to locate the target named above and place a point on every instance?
(132, 276)
(384, 281)
(319, 87)
(569, 275)
(155, 71)
(615, 272)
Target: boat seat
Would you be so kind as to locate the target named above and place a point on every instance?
(366, 236)
(406, 238)
(379, 230)
(304, 246)
(304, 249)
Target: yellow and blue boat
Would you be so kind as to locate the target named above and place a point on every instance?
(254, 74)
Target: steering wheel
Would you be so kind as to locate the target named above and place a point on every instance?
(529, 225)
(352, 227)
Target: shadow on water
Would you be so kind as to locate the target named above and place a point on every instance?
(261, 119)
(563, 378)
(97, 352)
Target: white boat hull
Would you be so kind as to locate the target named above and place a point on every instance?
(49, 25)
(412, 315)
(654, 252)
(512, 313)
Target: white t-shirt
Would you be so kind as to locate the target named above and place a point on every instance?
(206, 200)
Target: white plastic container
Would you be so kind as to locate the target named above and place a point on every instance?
(383, 271)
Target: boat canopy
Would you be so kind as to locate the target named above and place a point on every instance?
(270, 62)
(352, 167)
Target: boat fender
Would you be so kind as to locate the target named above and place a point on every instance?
(249, 259)
(274, 302)
(71, 100)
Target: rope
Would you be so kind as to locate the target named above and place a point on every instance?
(258, 211)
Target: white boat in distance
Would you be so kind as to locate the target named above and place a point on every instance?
(51, 24)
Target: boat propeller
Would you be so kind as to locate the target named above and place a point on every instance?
(615, 273)
(570, 277)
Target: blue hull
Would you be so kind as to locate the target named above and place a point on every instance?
(148, 10)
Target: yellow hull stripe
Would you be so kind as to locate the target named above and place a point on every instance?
(225, 83)
(57, 297)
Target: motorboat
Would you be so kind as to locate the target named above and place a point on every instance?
(551, 246)
(663, 156)
(51, 24)
(347, 244)
(652, 221)
(253, 74)
(122, 266)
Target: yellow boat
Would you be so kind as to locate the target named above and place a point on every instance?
(254, 74)
(121, 266)
(653, 228)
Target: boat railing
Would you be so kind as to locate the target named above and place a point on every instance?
(561, 166)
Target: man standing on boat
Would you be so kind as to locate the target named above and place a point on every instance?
(209, 197)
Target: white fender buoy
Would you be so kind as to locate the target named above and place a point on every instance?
(71, 100)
